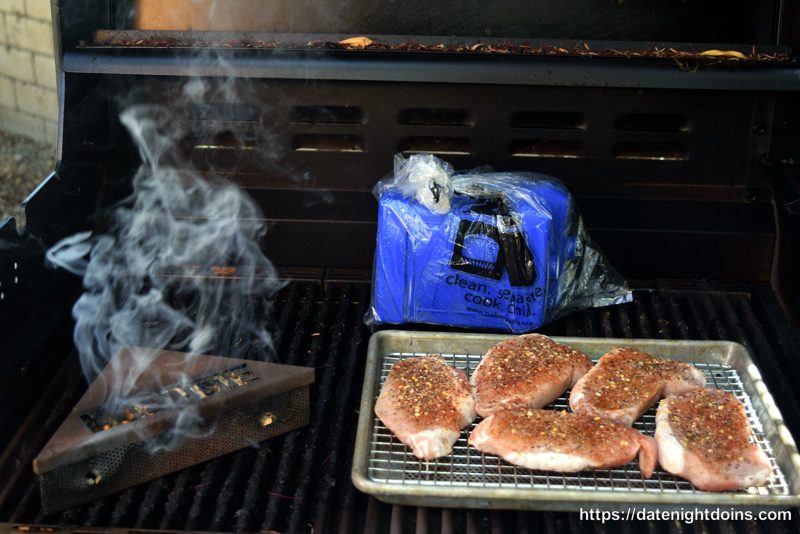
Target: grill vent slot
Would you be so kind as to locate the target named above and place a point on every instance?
(327, 143)
(223, 158)
(552, 120)
(435, 117)
(451, 146)
(546, 148)
(223, 150)
(327, 115)
(651, 151)
(226, 138)
(222, 112)
(652, 122)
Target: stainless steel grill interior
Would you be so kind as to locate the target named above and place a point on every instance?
(684, 166)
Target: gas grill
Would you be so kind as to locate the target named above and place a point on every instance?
(676, 130)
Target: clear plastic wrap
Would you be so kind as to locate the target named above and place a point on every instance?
(482, 249)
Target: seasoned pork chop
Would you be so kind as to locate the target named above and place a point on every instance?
(703, 436)
(551, 440)
(625, 383)
(426, 403)
(529, 371)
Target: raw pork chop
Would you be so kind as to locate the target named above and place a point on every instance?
(625, 383)
(551, 440)
(703, 436)
(426, 403)
(529, 371)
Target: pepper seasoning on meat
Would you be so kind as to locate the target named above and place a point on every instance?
(626, 382)
(426, 403)
(704, 436)
(528, 371)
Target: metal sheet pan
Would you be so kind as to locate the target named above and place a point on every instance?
(384, 467)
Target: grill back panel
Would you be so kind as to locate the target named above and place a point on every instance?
(333, 135)
(649, 167)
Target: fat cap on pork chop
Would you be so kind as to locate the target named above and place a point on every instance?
(704, 436)
(550, 440)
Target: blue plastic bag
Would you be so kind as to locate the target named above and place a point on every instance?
(485, 250)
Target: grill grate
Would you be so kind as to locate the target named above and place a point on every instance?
(324, 328)
(391, 461)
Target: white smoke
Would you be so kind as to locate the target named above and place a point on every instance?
(148, 281)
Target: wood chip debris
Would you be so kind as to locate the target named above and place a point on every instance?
(362, 42)
(357, 42)
(723, 53)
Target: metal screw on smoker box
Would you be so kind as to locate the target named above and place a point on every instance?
(267, 418)
(93, 478)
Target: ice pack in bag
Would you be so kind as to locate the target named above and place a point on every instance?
(502, 251)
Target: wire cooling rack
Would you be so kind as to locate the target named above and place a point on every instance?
(391, 461)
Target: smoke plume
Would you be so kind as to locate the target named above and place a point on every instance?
(178, 268)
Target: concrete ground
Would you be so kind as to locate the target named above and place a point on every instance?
(23, 165)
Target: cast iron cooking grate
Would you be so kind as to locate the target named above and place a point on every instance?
(391, 461)
(301, 481)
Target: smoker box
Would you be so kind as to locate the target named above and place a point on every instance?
(466, 478)
(100, 449)
(683, 165)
